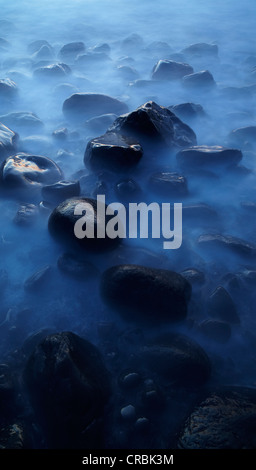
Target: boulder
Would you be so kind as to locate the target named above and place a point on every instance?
(71, 50)
(112, 151)
(146, 295)
(169, 184)
(76, 267)
(221, 306)
(88, 105)
(216, 330)
(201, 49)
(8, 89)
(233, 244)
(210, 156)
(36, 45)
(8, 141)
(202, 80)
(187, 110)
(170, 70)
(58, 192)
(22, 120)
(243, 136)
(52, 71)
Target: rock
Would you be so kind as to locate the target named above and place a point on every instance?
(221, 306)
(68, 387)
(36, 45)
(88, 105)
(7, 390)
(22, 172)
(71, 50)
(60, 191)
(26, 214)
(216, 330)
(193, 276)
(8, 141)
(102, 48)
(223, 420)
(22, 120)
(178, 359)
(130, 380)
(169, 184)
(100, 123)
(243, 135)
(200, 212)
(112, 151)
(170, 70)
(52, 71)
(44, 53)
(62, 222)
(60, 134)
(38, 279)
(187, 110)
(201, 49)
(210, 156)
(127, 72)
(158, 48)
(91, 58)
(202, 80)
(132, 43)
(142, 424)
(77, 267)
(128, 190)
(3, 279)
(233, 244)
(8, 89)
(152, 124)
(145, 294)
(13, 436)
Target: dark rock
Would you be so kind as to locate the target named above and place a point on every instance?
(129, 380)
(152, 124)
(71, 50)
(36, 45)
(211, 156)
(100, 123)
(170, 70)
(243, 135)
(169, 184)
(60, 191)
(187, 110)
(23, 172)
(132, 43)
(8, 89)
(77, 267)
(128, 189)
(26, 214)
(178, 359)
(52, 71)
(38, 279)
(69, 387)
(87, 105)
(112, 151)
(221, 306)
(201, 49)
(22, 120)
(202, 80)
(216, 330)
(233, 244)
(193, 276)
(62, 222)
(8, 141)
(224, 420)
(145, 294)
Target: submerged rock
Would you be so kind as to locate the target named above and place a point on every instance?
(8, 89)
(52, 71)
(87, 105)
(243, 135)
(112, 151)
(221, 306)
(8, 141)
(37, 280)
(201, 49)
(100, 123)
(22, 120)
(68, 387)
(145, 294)
(224, 420)
(60, 191)
(187, 110)
(36, 45)
(63, 219)
(201, 80)
(26, 214)
(170, 70)
(71, 50)
(233, 244)
(154, 124)
(76, 267)
(211, 156)
(216, 330)
(169, 184)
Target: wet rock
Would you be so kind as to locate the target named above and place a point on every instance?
(233, 244)
(44, 53)
(128, 412)
(77, 267)
(132, 43)
(112, 151)
(145, 294)
(187, 110)
(210, 156)
(193, 276)
(22, 120)
(152, 124)
(130, 380)
(38, 279)
(52, 71)
(178, 359)
(8, 141)
(62, 222)
(87, 105)
(202, 80)
(221, 306)
(169, 184)
(170, 70)
(102, 48)
(60, 134)
(36, 45)
(224, 420)
(68, 387)
(100, 123)
(128, 190)
(243, 135)
(201, 49)
(216, 330)
(22, 172)
(8, 89)
(92, 58)
(71, 50)
(60, 191)
(26, 215)
(127, 72)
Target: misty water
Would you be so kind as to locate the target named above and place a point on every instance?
(123, 41)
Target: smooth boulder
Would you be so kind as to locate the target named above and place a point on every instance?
(88, 105)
